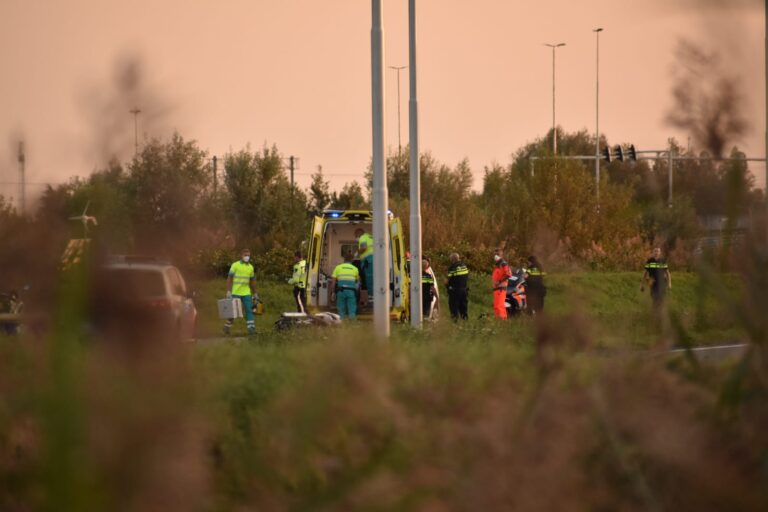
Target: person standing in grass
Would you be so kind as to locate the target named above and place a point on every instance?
(430, 295)
(535, 289)
(344, 283)
(657, 275)
(241, 284)
(298, 281)
(500, 276)
(458, 287)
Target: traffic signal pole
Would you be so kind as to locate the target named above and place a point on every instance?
(669, 155)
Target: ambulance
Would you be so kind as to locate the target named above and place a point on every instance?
(333, 235)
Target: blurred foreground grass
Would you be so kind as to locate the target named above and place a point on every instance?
(479, 415)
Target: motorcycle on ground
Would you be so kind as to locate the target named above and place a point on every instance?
(516, 301)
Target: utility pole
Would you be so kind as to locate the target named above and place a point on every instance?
(292, 167)
(399, 143)
(670, 165)
(22, 179)
(554, 127)
(765, 188)
(380, 193)
(415, 188)
(135, 111)
(597, 116)
(215, 173)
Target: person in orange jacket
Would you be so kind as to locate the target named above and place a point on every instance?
(501, 275)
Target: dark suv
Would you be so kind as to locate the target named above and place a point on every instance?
(146, 291)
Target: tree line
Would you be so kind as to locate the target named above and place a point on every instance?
(166, 201)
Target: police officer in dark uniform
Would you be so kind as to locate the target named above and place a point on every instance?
(428, 290)
(657, 274)
(458, 289)
(535, 290)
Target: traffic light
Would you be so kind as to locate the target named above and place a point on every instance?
(632, 153)
(619, 153)
(607, 154)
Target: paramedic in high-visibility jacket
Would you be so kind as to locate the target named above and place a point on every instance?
(500, 276)
(241, 284)
(365, 251)
(345, 281)
(298, 280)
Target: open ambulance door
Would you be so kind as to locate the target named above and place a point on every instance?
(399, 278)
(313, 263)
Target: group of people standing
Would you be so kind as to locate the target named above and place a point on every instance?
(457, 285)
(347, 278)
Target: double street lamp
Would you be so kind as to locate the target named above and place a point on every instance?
(554, 126)
(597, 115)
(399, 141)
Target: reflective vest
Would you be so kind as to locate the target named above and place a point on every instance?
(347, 276)
(459, 270)
(299, 274)
(366, 239)
(426, 278)
(241, 273)
(535, 272)
(458, 275)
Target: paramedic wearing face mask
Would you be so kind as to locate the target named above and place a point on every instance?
(241, 284)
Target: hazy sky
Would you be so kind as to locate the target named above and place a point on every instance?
(296, 73)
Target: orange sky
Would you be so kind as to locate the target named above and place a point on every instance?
(297, 73)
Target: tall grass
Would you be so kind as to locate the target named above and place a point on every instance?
(478, 415)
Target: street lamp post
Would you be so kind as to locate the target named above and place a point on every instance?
(135, 111)
(597, 114)
(415, 185)
(380, 193)
(399, 142)
(554, 129)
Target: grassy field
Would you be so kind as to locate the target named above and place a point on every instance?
(479, 415)
(619, 314)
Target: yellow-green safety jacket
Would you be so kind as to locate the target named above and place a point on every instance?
(366, 239)
(242, 274)
(347, 276)
(299, 274)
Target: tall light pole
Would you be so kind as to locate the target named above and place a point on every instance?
(380, 193)
(765, 189)
(135, 111)
(597, 114)
(22, 158)
(415, 188)
(554, 129)
(399, 142)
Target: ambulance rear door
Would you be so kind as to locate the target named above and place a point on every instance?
(313, 261)
(398, 274)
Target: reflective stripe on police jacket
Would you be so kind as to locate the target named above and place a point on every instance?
(460, 270)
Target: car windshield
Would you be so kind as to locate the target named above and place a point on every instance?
(136, 282)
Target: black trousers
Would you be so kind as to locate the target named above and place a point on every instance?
(300, 296)
(535, 296)
(426, 300)
(457, 303)
(658, 294)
